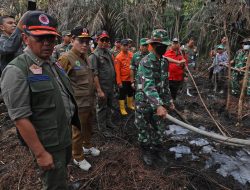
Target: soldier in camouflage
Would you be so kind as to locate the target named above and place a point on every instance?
(117, 48)
(153, 97)
(137, 57)
(64, 46)
(240, 63)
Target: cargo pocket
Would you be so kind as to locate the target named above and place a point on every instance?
(42, 93)
(47, 132)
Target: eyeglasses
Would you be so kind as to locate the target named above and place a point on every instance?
(104, 40)
(48, 38)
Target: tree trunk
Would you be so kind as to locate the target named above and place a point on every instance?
(243, 89)
(229, 70)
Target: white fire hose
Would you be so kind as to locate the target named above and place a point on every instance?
(222, 139)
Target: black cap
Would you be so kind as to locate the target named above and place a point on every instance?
(80, 32)
(39, 23)
(124, 42)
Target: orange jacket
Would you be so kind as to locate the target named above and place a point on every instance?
(122, 66)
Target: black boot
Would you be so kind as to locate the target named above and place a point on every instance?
(161, 153)
(147, 155)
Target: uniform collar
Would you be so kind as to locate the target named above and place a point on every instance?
(152, 56)
(102, 50)
(140, 52)
(38, 61)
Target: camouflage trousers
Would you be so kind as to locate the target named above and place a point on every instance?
(236, 87)
(150, 128)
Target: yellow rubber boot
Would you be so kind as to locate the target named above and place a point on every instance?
(130, 103)
(122, 107)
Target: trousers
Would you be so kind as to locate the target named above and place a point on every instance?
(82, 138)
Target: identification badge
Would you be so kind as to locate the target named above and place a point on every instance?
(36, 70)
(77, 63)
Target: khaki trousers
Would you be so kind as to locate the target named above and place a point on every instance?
(83, 137)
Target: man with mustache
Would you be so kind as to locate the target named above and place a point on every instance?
(77, 65)
(40, 100)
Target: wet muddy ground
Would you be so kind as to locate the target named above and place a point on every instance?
(194, 162)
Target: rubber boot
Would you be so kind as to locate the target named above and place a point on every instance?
(122, 107)
(130, 103)
(147, 155)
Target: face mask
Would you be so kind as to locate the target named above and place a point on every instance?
(160, 50)
(246, 47)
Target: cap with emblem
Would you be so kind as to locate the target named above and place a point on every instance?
(143, 41)
(80, 32)
(124, 42)
(39, 23)
(102, 34)
(159, 36)
(66, 33)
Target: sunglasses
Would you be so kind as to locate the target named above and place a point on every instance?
(48, 38)
(104, 40)
(83, 41)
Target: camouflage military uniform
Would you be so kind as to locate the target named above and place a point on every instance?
(152, 91)
(240, 61)
(115, 51)
(137, 57)
(60, 49)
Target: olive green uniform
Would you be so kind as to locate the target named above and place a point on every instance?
(103, 67)
(46, 99)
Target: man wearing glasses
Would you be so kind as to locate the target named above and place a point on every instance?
(40, 100)
(76, 63)
(104, 79)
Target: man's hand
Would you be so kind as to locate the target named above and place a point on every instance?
(45, 161)
(172, 106)
(120, 85)
(181, 62)
(161, 111)
(185, 79)
(100, 94)
(133, 85)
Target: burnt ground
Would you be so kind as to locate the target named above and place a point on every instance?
(119, 166)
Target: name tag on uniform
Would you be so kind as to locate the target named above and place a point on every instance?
(36, 70)
(76, 68)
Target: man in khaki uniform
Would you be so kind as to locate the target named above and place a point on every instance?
(76, 64)
(65, 46)
(40, 100)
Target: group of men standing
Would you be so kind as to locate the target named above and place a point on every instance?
(50, 92)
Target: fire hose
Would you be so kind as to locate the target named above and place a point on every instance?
(222, 139)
